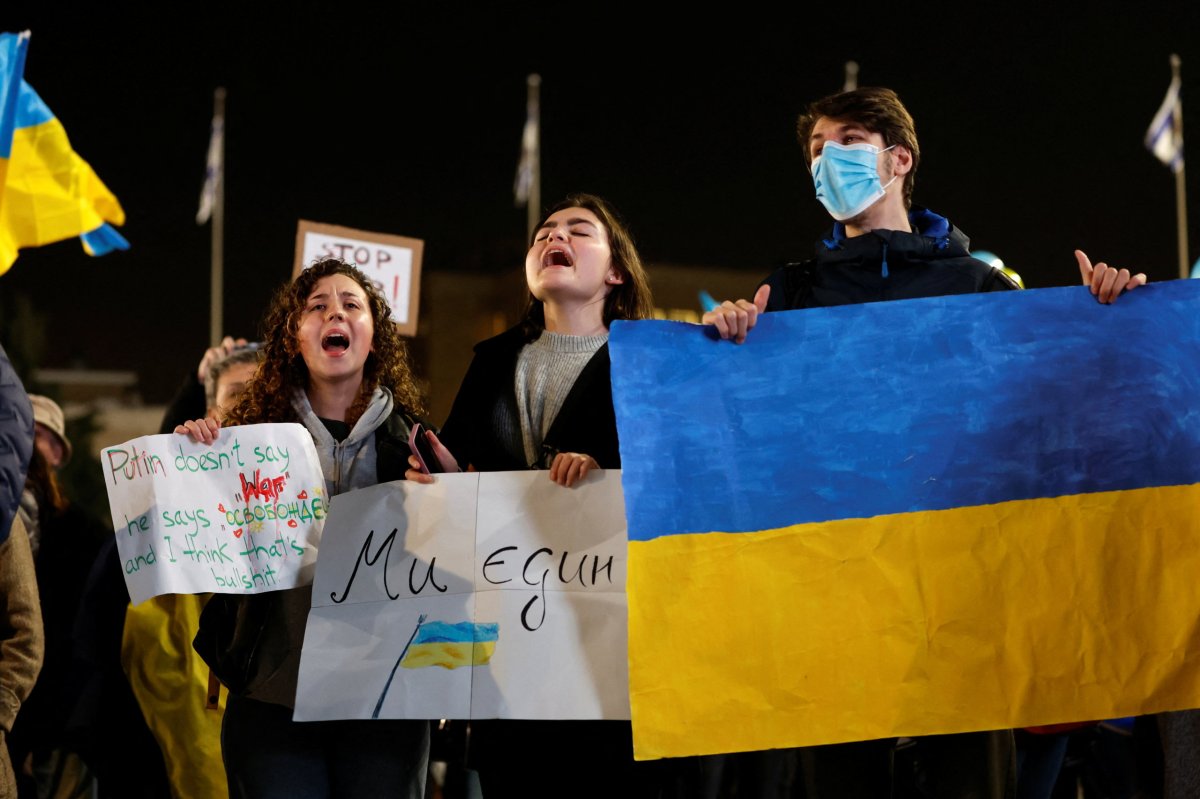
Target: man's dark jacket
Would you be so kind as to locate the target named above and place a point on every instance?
(932, 261)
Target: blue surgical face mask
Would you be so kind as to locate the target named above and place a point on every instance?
(846, 177)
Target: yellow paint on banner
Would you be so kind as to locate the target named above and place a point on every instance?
(449, 654)
(1008, 615)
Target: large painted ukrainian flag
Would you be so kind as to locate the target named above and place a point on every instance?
(47, 192)
(910, 518)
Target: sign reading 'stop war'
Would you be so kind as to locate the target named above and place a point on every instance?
(242, 515)
(393, 263)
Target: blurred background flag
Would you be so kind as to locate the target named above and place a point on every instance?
(1164, 138)
(523, 184)
(47, 192)
(214, 169)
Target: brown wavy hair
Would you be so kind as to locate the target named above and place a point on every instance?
(878, 110)
(268, 396)
(628, 300)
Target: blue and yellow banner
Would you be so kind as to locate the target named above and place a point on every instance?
(911, 518)
(47, 192)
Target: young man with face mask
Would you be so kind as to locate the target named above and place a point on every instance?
(862, 150)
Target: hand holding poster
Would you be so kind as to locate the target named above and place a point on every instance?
(242, 515)
(497, 595)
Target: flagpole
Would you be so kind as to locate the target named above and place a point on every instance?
(851, 81)
(533, 208)
(217, 283)
(1180, 182)
(387, 686)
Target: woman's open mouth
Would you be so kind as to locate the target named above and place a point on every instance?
(335, 343)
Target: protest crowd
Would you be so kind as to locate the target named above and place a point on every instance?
(192, 695)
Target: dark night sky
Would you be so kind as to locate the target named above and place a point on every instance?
(409, 122)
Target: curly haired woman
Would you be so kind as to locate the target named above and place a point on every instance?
(335, 363)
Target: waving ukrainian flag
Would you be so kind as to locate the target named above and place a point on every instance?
(911, 518)
(47, 192)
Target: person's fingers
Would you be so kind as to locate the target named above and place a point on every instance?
(418, 476)
(761, 296)
(1085, 268)
(198, 430)
(585, 466)
(1107, 281)
(569, 468)
(210, 356)
(1137, 280)
(579, 467)
(716, 317)
(445, 457)
(747, 314)
(195, 431)
(1119, 283)
(572, 472)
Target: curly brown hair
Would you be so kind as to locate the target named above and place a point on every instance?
(268, 396)
(629, 299)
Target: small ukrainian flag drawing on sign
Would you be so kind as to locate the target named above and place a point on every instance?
(439, 643)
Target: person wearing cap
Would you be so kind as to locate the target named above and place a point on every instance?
(50, 431)
(65, 540)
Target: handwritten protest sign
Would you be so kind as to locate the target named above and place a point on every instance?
(393, 262)
(498, 595)
(243, 515)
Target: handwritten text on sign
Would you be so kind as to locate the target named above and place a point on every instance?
(392, 262)
(496, 595)
(243, 515)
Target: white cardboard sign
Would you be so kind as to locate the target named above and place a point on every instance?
(495, 595)
(240, 516)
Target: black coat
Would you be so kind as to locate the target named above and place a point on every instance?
(484, 427)
(933, 261)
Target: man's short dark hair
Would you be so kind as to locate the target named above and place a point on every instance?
(876, 109)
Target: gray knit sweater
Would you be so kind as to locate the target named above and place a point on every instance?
(546, 370)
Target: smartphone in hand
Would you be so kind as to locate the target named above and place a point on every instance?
(420, 446)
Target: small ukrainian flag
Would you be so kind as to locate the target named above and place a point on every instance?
(439, 643)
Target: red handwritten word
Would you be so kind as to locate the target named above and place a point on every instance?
(264, 488)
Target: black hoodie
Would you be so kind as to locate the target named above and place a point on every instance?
(883, 265)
